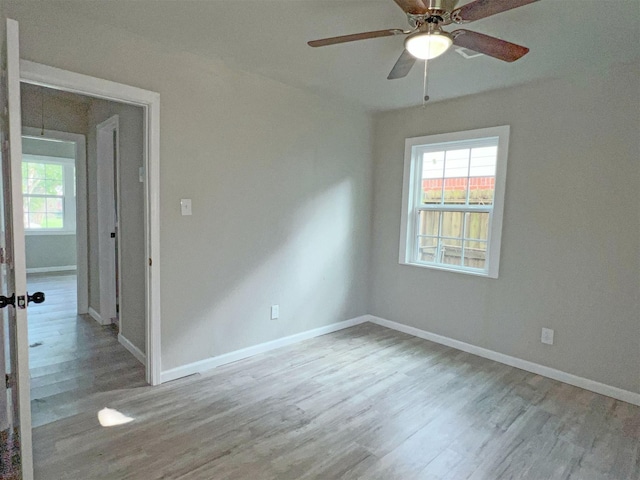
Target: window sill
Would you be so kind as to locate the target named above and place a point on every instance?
(474, 273)
(36, 233)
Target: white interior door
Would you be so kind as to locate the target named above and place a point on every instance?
(16, 398)
(107, 153)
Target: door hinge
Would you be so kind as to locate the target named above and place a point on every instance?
(9, 380)
(2, 255)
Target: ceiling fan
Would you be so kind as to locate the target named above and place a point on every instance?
(426, 39)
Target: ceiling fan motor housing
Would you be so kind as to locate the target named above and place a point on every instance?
(439, 5)
(434, 11)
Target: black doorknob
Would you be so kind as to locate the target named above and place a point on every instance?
(37, 297)
(5, 301)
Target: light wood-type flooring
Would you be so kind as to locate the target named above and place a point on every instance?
(365, 402)
(71, 357)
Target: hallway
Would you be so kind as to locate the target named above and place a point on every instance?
(72, 359)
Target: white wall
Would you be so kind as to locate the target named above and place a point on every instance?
(280, 182)
(571, 236)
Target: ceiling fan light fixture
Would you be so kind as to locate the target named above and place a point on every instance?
(428, 45)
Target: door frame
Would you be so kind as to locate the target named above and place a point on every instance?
(108, 220)
(47, 76)
(82, 235)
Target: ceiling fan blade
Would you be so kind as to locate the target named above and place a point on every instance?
(356, 36)
(415, 7)
(485, 8)
(492, 46)
(403, 66)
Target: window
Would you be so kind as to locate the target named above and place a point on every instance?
(48, 189)
(453, 196)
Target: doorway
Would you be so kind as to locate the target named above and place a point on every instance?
(74, 357)
(56, 227)
(148, 102)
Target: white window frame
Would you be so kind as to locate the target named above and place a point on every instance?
(411, 203)
(69, 199)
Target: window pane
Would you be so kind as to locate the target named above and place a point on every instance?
(35, 186)
(433, 165)
(477, 226)
(475, 254)
(54, 205)
(452, 224)
(432, 173)
(53, 172)
(54, 220)
(481, 190)
(36, 170)
(483, 162)
(428, 223)
(427, 249)
(36, 220)
(37, 204)
(451, 251)
(456, 163)
(455, 191)
(482, 171)
(54, 187)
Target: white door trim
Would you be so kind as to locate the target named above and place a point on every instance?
(38, 74)
(107, 215)
(82, 235)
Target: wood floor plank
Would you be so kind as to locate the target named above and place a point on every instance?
(71, 357)
(362, 403)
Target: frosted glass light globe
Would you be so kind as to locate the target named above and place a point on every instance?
(426, 46)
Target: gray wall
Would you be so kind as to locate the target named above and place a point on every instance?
(280, 182)
(63, 114)
(131, 144)
(571, 232)
(50, 251)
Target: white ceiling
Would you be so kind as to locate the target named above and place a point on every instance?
(268, 37)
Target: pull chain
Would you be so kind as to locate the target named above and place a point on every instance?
(425, 85)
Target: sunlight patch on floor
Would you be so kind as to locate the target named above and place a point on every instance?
(110, 418)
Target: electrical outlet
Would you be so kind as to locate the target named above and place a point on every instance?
(547, 336)
(275, 312)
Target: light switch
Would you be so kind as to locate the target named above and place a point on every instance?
(185, 206)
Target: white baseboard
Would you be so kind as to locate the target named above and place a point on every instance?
(95, 315)
(64, 268)
(135, 351)
(591, 385)
(209, 363)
